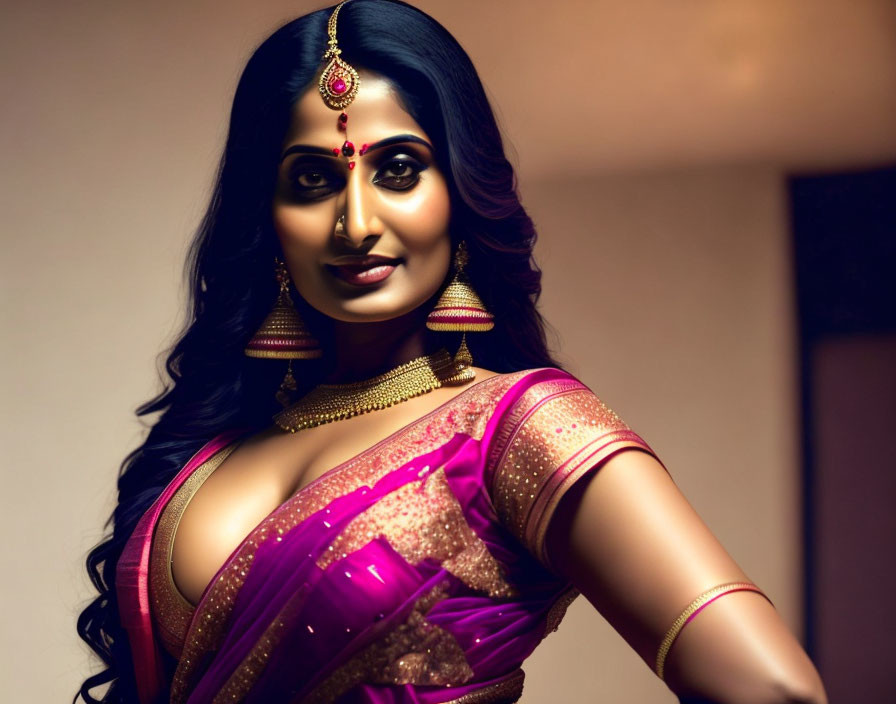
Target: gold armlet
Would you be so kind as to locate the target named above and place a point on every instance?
(692, 609)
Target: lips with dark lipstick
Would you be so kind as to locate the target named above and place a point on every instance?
(363, 270)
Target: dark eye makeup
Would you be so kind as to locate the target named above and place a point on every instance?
(311, 178)
(399, 172)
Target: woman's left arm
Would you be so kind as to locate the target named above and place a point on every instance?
(633, 545)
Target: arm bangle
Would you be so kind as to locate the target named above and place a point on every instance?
(692, 609)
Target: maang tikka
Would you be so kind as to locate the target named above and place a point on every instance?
(283, 335)
(338, 85)
(339, 81)
(460, 309)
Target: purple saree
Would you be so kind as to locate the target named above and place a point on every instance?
(413, 573)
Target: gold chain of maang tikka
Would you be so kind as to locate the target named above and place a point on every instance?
(333, 49)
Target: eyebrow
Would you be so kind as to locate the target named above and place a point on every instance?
(382, 144)
(399, 139)
(306, 149)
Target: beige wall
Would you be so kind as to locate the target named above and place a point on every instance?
(666, 275)
(671, 296)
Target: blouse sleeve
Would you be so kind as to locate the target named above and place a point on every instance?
(555, 433)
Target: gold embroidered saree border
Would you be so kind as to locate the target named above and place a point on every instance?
(417, 536)
(558, 610)
(557, 432)
(530, 452)
(172, 611)
(553, 491)
(526, 404)
(504, 692)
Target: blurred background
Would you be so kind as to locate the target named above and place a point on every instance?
(714, 183)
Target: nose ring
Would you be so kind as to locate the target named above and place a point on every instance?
(340, 224)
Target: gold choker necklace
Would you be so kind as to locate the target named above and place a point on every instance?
(331, 402)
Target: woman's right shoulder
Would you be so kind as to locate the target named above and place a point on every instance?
(512, 386)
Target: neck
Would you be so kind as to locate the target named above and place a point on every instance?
(364, 350)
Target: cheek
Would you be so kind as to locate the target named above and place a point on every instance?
(301, 231)
(421, 218)
(422, 225)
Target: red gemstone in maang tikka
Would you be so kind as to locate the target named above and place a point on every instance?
(363, 150)
(338, 83)
(348, 149)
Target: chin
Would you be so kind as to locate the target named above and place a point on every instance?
(394, 299)
(360, 310)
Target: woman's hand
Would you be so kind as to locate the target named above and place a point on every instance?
(633, 545)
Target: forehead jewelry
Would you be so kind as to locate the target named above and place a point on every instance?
(339, 81)
(338, 85)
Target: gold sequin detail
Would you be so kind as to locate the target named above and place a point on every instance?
(504, 692)
(172, 612)
(558, 610)
(467, 413)
(423, 519)
(416, 652)
(558, 432)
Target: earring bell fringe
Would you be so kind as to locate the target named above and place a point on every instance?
(283, 335)
(287, 387)
(463, 358)
(463, 366)
(460, 309)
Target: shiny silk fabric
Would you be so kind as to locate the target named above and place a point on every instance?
(414, 572)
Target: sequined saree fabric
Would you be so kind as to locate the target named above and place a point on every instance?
(413, 573)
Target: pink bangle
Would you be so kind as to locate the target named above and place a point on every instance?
(694, 608)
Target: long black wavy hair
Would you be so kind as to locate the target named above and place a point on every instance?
(213, 387)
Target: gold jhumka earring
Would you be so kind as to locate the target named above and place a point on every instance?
(283, 335)
(460, 309)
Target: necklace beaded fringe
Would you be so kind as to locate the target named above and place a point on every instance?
(331, 402)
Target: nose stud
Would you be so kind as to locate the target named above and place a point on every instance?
(340, 225)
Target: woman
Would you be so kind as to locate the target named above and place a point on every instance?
(412, 524)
